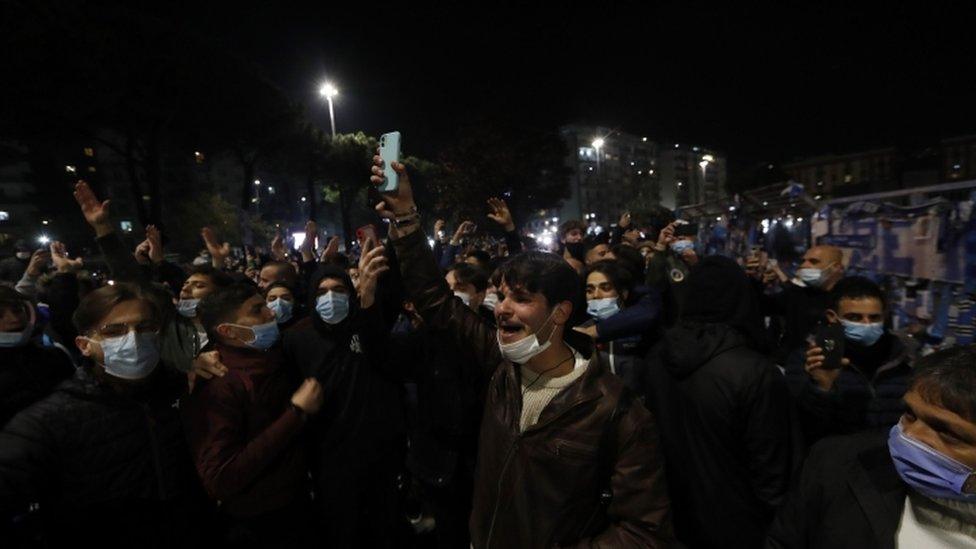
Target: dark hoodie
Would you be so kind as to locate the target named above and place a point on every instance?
(357, 438)
(724, 414)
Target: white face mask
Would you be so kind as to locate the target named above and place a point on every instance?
(523, 350)
(465, 297)
(188, 307)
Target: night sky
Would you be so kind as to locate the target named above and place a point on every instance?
(762, 85)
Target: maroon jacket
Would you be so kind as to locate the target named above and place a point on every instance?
(243, 433)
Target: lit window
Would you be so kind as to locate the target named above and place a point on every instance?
(89, 152)
(91, 169)
(4, 216)
(848, 178)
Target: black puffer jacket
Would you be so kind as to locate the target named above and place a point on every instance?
(27, 374)
(729, 443)
(105, 468)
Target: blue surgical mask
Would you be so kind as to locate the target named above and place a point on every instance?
(928, 471)
(865, 334)
(131, 356)
(604, 308)
(680, 246)
(15, 339)
(188, 307)
(332, 307)
(282, 309)
(265, 335)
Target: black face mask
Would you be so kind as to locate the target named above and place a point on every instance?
(576, 250)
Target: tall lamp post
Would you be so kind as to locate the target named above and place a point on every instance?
(329, 91)
(598, 145)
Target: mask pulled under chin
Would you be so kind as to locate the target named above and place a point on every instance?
(525, 349)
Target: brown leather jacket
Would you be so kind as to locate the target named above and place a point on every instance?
(589, 473)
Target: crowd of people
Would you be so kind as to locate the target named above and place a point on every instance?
(621, 390)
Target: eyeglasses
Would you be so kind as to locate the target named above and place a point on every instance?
(120, 329)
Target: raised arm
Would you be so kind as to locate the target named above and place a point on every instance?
(422, 280)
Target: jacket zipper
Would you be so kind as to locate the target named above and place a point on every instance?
(498, 494)
(508, 459)
(154, 444)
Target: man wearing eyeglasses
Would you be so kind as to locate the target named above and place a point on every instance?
(104, 455)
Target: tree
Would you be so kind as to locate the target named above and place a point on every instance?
(346, 167)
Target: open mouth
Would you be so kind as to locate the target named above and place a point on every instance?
(510, 331)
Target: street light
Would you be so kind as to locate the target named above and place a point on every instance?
(598, 143)
(257, 181)
(329, 91)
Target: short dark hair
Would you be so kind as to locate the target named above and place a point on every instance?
(620, 277)
(631, 259)
(278, 265)
(482, 257)
(595, 240)
(466, 273)
(219, 307)
(219, 278)
(569, 226)
(948, 378)
(285, 285)
(99, 303)
(542, 272)
(856, 287)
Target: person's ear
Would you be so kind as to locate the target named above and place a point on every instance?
(832, 316)
(562, 313)
(227, 331)
(84, 345)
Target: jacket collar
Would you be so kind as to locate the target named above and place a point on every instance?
(585, 389)
(247, 358)
(880, 493)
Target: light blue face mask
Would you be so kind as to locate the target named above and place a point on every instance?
(680, 246)
(865, 334)
(283, 309)
(604, 308)
(131, 356)
(265, 335)
(188, 307)
(332, 307)
(928, 471)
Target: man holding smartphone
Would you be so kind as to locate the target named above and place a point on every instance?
(862, 390)
(566, 455)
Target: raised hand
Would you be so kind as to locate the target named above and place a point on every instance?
(278, 250)
(624, 222)
(372, 263)
(141, 253)
(59, 256)
(218, 251)
(96, 212)
(38, 260)
(331, 251)
(308, 245)
(814, 366)
(466, 227)
(665, 237)
(155, 240)
(499, 213)
(398, 203)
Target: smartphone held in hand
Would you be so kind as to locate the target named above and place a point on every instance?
(389, 153)
(830, 338)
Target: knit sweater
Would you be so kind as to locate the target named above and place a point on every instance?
(937, 523)
(539, 390)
